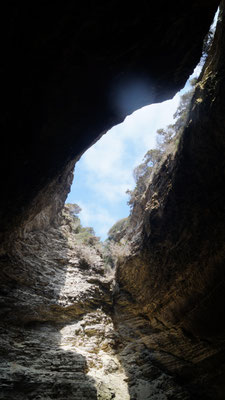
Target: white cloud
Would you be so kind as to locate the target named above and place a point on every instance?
(104, 155)
(97, 217)
(112, 192)
(108, 158)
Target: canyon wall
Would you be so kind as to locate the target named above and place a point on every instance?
(58, 339)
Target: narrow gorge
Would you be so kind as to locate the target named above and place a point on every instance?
(153, 327)
(64, 343)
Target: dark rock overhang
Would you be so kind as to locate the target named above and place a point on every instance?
(66, 68)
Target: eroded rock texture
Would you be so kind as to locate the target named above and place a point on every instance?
(58, 339)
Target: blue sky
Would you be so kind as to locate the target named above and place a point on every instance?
(105, 171)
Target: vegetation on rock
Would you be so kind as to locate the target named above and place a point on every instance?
(117, 231)
(167, 142)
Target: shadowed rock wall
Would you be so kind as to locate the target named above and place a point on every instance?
(174, 281)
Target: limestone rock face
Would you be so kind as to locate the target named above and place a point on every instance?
(47, 288)
(58, 339)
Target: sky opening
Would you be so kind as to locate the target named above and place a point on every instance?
(105, 171)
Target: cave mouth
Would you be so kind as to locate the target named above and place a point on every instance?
(104, 176)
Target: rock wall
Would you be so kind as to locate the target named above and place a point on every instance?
(173, 281)
(58, 339)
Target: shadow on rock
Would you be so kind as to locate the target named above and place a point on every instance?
(35, 367)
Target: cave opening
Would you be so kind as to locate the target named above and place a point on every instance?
(107, 173)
